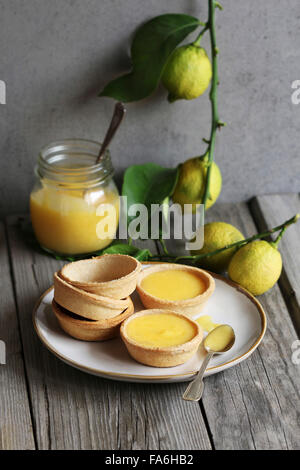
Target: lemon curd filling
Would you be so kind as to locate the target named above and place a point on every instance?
(161, 330)
(67, 221)
(207, 323)
(220, 338)
(173, 285)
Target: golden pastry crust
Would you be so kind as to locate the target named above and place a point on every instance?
(85, 304)
(161, 356)
(189, 307)
(88, 330)
(112, 276)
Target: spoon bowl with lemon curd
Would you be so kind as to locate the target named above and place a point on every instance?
(218, 341)
(180, 288)
(161, 338)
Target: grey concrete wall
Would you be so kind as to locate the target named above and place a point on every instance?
(55, 55)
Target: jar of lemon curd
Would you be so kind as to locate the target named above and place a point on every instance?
(74, 204)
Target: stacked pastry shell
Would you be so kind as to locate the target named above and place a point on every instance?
(92, 297)
(113, 276)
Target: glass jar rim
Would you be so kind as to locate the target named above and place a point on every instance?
(81, 149)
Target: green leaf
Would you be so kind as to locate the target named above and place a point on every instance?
(162, 186)
(152, 45)
(130, 250)
(148, 184)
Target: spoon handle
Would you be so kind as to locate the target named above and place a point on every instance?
(116, 120)
(195, 388)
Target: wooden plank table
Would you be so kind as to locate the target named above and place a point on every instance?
(45, 404)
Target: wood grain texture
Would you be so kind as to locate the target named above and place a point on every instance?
(15, 420)
(73, 410)
(272, 210)
(253, 405)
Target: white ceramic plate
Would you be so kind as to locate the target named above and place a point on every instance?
(229, 304)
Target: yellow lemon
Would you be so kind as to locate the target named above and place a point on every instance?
(187, 73)
(191, 183)
(216, 236)
(256, 266)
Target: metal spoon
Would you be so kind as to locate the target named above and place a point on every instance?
(116, 120)
(195, 389)
(119, 112)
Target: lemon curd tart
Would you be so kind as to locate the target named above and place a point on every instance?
(177, 284)
(161, 330)
(161, 338)
(182, 289)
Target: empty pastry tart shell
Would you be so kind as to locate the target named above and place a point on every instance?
(85, 304)
(161, 356)
(189, 307)
(89, 330)
(112, 276)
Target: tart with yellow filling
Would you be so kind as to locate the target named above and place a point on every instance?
(183, 289)
(161, 338)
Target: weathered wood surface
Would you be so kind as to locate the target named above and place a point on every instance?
(74, 410)
(251, 406)
(273, 209)
(15, 420)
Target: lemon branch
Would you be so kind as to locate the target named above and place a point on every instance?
(199, 37)
(212, 5)
(279, 237)
(194, 258)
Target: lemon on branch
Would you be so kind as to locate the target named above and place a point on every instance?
(218, 235)
(191, 183)
(187, 73)
(256, 266)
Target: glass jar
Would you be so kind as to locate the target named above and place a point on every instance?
(74, 204)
